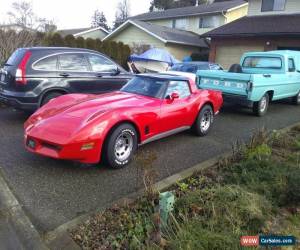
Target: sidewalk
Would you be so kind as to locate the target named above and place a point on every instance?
(8, 237)
(16, 230)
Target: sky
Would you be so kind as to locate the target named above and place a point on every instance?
(69, 14)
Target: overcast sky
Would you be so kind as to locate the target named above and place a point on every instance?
(74, 13)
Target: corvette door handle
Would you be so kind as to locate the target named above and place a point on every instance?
(267, 75)
(64, 74)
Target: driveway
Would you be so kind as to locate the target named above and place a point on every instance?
(54, 192)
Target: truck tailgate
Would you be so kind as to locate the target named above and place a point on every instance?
(227, 82)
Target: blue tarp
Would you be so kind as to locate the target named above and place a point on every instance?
(158, 55)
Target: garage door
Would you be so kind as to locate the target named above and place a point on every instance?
(230, 54)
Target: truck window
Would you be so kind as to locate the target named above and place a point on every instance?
(262, 62)
(292, 67)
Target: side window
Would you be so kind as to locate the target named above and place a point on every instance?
(292, 67)
(47, 64)
(180, 87)
(73, 62)
(101, 64)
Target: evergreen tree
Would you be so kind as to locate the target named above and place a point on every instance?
(99, 20)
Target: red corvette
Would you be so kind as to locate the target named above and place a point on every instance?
(90, 128)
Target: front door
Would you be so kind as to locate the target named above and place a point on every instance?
(175, 113)
(106, 76)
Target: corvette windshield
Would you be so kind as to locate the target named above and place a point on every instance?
(146, 86)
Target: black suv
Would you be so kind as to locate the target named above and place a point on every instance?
(33, 76)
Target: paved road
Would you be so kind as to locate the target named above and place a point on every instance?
(54, 192)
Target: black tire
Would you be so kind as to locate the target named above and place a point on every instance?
(260, 108)
(204, 121)
(296, 99)
(123, 134)
(49, 97)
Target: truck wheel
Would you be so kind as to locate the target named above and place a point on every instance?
(260, 108)
(204, 121)
(49, 97)
(120, 146)
(296, 99)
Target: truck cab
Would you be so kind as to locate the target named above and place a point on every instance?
(260, 77)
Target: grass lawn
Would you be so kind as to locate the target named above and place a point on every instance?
(255, 191)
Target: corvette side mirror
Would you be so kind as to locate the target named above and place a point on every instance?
(173, 96)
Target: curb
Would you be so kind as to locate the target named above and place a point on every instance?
(20, 223)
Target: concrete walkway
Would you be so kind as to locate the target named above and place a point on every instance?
(16, 230)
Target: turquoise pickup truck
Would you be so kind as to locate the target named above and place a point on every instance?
(260, 77)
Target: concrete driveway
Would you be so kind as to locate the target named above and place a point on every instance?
(54, 192)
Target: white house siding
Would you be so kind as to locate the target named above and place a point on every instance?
(192, 23)
(227, 55)
(291, 6)
(180, 51)
(135, 36)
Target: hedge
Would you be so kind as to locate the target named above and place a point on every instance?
(118, 51)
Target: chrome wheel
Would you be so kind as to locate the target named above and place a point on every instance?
(123, 146)
(263, 104)
(206, 120)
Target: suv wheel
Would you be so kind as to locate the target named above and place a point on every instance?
(49, 97)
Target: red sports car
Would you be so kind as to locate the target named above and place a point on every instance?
(90, 128)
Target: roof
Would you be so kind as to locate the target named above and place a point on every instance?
(80, 31)
(71, 31)
(266, 25)
(164, 34)
(202, 9)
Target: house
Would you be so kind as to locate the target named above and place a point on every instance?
(269, 25)
(94, 33)
(177, 30)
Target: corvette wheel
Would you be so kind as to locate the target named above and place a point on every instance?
(204, 121)
(121, 146)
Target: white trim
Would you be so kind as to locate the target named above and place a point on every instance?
(237, 7)
(91, 30)
(136, 25)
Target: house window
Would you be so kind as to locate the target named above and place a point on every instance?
(179, 24)
(206, 22)
(273, 5)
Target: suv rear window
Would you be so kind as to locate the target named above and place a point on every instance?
(16, 57)
(49, 63)
(73, 62)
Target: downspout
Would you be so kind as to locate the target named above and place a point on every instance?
(223, 14)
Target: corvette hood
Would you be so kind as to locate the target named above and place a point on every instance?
(63, 117)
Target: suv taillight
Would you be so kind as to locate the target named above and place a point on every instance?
(21, 70)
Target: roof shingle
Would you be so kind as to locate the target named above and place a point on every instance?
(173, 35)
(216, 7)
(266, 25)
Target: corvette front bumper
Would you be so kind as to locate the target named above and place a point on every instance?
(74, 151)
